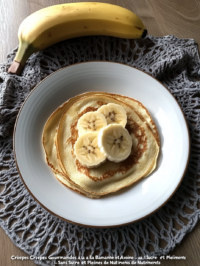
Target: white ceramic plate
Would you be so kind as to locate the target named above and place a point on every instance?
(127, 205)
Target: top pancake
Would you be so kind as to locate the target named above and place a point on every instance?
(110, 176)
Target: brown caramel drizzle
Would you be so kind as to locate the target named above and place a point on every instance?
(134, 128)
(100, 103)
(88, 109)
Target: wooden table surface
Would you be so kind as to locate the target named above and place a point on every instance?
(177, 17)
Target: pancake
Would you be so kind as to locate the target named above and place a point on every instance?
(110, 176)
(65, 181)
(50, 129)
(48, 140)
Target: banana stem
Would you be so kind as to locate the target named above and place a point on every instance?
(25, 50)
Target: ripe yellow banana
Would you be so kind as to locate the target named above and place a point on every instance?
(60, 22)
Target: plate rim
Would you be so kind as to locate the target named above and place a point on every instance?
(104, 226)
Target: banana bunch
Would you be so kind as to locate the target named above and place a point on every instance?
(102, 135)
(60, 22)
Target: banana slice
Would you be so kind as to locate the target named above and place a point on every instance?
(91, 121)
(115, 142)
(87, 151)
(114, 113)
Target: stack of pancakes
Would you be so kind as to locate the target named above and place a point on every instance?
(60, 134)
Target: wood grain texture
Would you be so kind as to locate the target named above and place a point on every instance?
(12, 13)
(178, 17)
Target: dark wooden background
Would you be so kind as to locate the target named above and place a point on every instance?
(177, 17)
